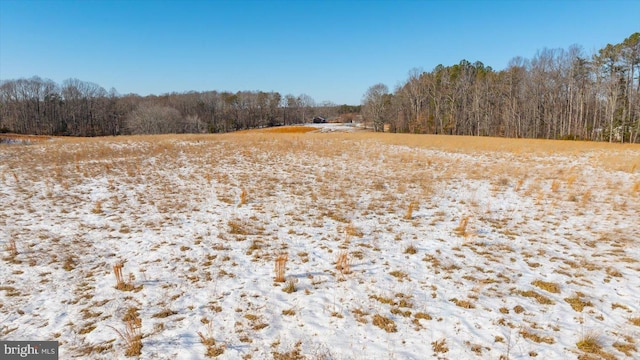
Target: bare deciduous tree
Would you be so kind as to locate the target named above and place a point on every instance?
(375, 103)
(154, 119)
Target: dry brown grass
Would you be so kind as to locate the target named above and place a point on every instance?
(293, 354)
(131, 336)
(411, 249)
(121, 284)
(589, 343)
(297, 151)
(472, 144)
(577, 303)
(208, 340)
(540, 298)
(360, 315)
(243, 197)
(462, 227)
(384, 323)
(625, 348)
(440, 346)
(547, 286)
(343, 264)
(281, 263)
(465, 304)
(352, 231)
(535, 337)
(12, 248)
(409, 214)
(286, 130)
(290, 286)
(400, 275)
(289, 312)
(97, 208)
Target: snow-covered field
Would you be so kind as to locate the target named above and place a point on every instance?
(455, 247)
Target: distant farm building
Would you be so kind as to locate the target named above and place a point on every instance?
(319, 120)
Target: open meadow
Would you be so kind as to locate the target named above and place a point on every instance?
(287, 244)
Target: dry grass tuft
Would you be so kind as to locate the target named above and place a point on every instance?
(343, 264)
(536, 338)
(290, 286)
(213, 349)
(281, 262)
(400, 275)
(635, 321)
(589, 343)
(611, 271)
(409, 214)
(164, 313)
(465, 304)
(586, 196)
(462, 227)
(422, 315)
(411, 249)
(625, 348)
(540, 298)
(131, 336)
(243, 197)
(69, 263)
(293, 354)
(97, 208)
(237, 227)
(117, 271)
(360, 315)
(547, 286)
(440, 346)
(121, 284)
(353, 231)
(12, 248)
(384, 323)
(577, 303)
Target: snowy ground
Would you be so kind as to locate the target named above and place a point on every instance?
(459, 248)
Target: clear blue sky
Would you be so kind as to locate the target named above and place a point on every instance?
(331, 50)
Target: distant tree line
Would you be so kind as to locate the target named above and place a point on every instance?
(80, 108)
(557, 94)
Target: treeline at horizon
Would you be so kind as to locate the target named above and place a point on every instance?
(557, 94)
(79, 108)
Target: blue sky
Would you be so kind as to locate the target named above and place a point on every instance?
(331, 50)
